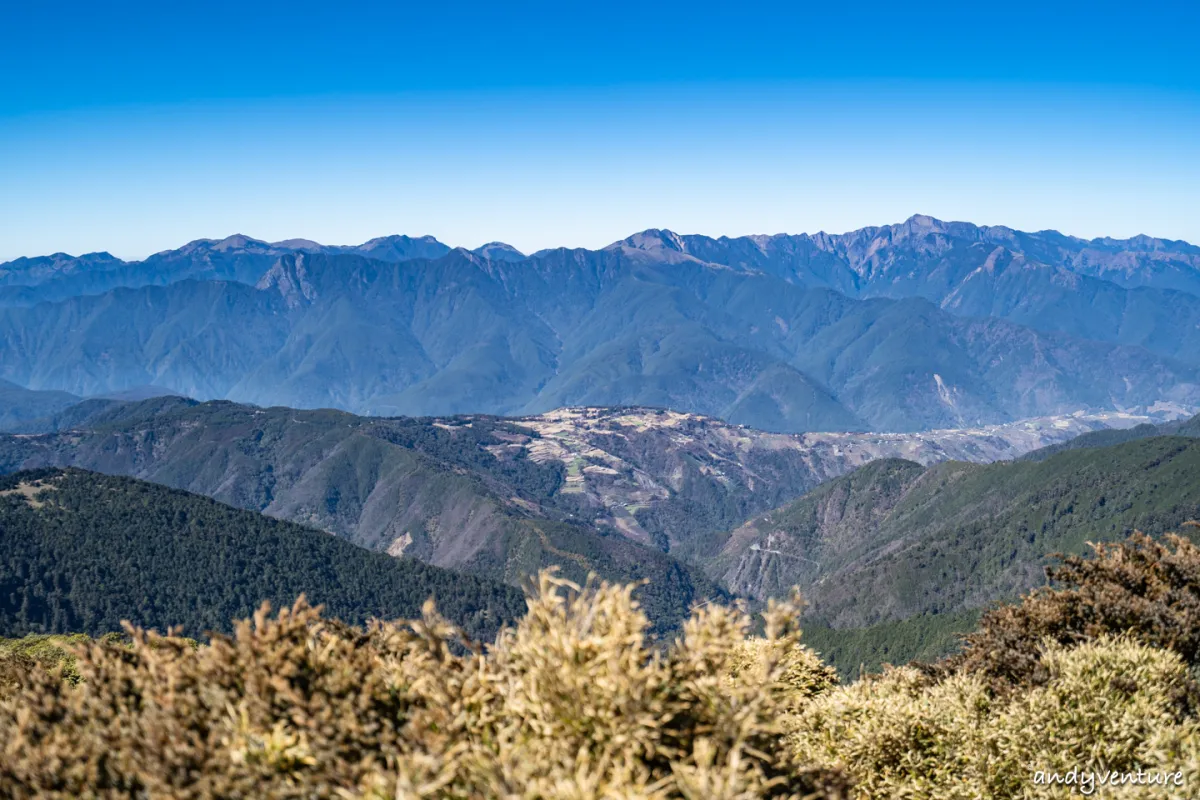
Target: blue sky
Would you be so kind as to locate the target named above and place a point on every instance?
(135, 127)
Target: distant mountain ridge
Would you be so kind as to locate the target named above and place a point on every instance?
(19, 406)
(608, 488)
(1139, 291)
(1137, 261)
(27, 281)
(914, 326)
(860, 258)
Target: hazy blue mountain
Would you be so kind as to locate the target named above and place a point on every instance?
(903, 327)
(499, 251)
(614, 327)
(19, 406)
(137, 393)
(1140, 291)
(37, 270)
(874, 257)
(70, 417)
(240, 258)
(236, 258)
(396, 248)
(195, 337)
(27, 412)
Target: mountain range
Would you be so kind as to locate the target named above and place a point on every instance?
(895, 556)
(902, 420)
(908, 327)
(485, 493)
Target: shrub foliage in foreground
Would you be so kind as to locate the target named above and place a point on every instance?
(576, 701)
(573, 702)
(1142, 587)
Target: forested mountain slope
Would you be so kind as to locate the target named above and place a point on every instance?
(1109, 437)
(80, 552)
(894, 539)
(412, 488)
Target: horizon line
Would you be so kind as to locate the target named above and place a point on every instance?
(284, 243)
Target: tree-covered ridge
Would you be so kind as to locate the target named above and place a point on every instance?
(439, 488)
(439, 491)
(856, 651)
(1108, 438)
(893, 540)
(85, 551)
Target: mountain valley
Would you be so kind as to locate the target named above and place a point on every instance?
(895, 540)
(440, 489)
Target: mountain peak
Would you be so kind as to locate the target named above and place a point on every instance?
(398, 247)
(923, 223)
(499, 251)
(653, 239)
(238, 241)
(299, 244)
(399, 237)
(923, 220)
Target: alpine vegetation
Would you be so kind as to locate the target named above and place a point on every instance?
(578, 700)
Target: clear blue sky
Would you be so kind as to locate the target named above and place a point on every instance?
(133, 127)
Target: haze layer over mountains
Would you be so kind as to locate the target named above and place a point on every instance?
(914, 326)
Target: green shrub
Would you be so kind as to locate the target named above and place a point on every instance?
(20, 658)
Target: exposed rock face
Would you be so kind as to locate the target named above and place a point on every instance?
(290, 278)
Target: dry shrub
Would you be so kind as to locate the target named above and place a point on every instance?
(1094, 673)
(577, 701)
(574, 702)
(802, 673)
(1104, 705)
(1145, 588)
(897, 731)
